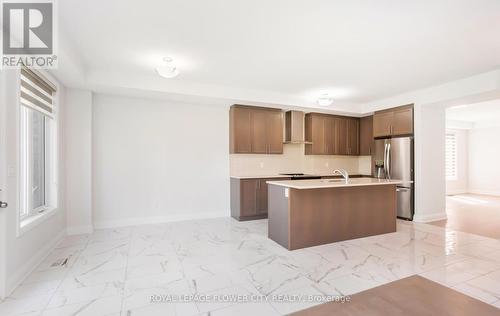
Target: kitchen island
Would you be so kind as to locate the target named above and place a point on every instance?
(308, 213)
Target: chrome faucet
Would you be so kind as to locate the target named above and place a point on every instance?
(343, 173)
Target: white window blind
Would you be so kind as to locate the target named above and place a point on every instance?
(37, 120)
(451, 156)
(36, 92)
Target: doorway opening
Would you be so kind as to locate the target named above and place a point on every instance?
(472, 169)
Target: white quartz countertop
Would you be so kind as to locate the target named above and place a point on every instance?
(284, 176)
(259, 176)
(333, 183)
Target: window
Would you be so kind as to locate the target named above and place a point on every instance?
(37, 126)
(451, 156)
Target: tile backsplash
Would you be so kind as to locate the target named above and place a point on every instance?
(293, 159)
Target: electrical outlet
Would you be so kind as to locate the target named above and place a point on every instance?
(327, 164)
(261, 165)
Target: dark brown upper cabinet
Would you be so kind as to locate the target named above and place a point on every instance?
(366, 141)
(393, 122)
(353, 136)
(331, 135)
(403, 121)
(255, 130)
(315, 134)
(340, 135)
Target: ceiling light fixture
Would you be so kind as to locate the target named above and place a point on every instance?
(325, 100)
(169, 69)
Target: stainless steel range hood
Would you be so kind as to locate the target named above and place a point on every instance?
(294, 128)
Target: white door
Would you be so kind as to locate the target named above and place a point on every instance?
(3, 185)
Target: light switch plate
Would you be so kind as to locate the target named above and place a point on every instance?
(286, 192)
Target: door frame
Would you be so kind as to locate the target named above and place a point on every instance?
(3, 185)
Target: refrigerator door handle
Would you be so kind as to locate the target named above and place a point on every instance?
(389, 161)
(385, 159)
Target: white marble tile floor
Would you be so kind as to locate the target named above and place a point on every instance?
(185, 265)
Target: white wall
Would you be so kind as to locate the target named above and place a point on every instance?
(460, 185)
(158, 161)
(78, 154)
(430, 190)
(3, 174)
(484, 169)
(24, 252)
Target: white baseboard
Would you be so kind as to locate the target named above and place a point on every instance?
(456, 192)
(157, 219)
(79, 230)
(484, 192)
(427, 218)
(14, 280)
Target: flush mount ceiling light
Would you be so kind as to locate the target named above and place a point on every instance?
(168, 69)
(325, 100)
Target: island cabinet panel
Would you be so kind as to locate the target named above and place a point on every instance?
(393, 122)
(304, 218)
(255, 130)
(249, 198)
(366, 141)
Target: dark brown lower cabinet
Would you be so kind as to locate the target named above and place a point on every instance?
(249, 198)
(248, 191)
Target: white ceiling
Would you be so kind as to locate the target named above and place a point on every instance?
(479, 113)
(283, 51)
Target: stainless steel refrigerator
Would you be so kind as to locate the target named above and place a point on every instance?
(393, 159)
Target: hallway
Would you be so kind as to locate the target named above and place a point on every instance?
(471, 213)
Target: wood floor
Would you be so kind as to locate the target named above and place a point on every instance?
(470, 213)
(413, 296)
